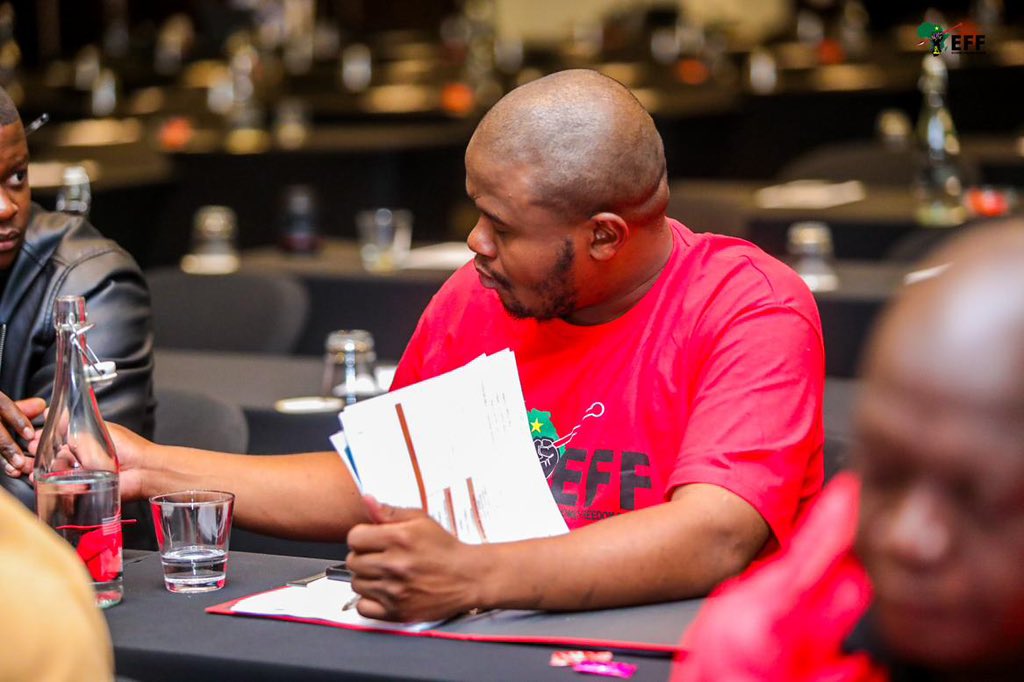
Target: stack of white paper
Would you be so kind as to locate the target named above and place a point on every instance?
(457, 446)
(319, 600)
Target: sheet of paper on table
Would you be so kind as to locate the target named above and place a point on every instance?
(459, 447)
(810, 194)
(323, 600)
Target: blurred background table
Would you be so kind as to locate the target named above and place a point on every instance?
(343, 295)
(862, 230)
(255, 382)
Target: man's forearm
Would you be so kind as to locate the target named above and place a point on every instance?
(671, 551)
(308, 497)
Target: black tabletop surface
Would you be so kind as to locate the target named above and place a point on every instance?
(162, 636)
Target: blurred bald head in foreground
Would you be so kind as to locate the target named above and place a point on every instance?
(925, 578)
(941, 429)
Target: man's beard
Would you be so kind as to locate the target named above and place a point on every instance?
(556, 294)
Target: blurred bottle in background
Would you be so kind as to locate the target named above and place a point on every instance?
(291, 123)
(10, 56)
(300, 230)
(356, 67)
(939, 187)
(173, 44)
(893, 129)
(75, 195)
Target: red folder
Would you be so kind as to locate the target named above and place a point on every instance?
(655, 629)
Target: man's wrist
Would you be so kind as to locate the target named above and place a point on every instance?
(485, 567)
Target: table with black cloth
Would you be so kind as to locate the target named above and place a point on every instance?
(862, 230)
(255, 382)
(345, 296)
(162, 636)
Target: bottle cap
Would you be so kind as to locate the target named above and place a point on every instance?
(75, 175)
(349, 341)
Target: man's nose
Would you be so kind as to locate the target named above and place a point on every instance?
(8, 209)
(919, 531)
(481, 240)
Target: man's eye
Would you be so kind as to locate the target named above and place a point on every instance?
(18, 178)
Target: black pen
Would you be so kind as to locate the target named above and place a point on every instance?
(37, 124)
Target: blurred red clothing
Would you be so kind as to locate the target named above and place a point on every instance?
(787, 620)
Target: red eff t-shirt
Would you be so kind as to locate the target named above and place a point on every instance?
(715, 376)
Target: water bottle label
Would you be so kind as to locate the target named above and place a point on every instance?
(100, 549)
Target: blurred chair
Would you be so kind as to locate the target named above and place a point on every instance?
(870, 162)
(194, 419)
(240, 312)
(840, 397)
(197, 420)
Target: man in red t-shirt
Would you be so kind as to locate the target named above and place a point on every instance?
(924, 582)
(674, 376)
(709, 378)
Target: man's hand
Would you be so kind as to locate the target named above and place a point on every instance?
(407, 567)
(16, 418)
(131, 456)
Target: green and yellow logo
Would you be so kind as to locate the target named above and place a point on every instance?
(958, 42)
(544, 438)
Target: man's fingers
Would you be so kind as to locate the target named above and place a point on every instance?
(31, 407)
(14, 419)
(368, 566)
(367, 537)
(385, 513)
(370, 608)
(376, 599)
(14, 458)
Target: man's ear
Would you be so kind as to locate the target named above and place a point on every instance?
(609, 233)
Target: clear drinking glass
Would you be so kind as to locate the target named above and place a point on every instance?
(810, 242)
(384, 238)
(350, 366)
(214, 250)
(192, 532)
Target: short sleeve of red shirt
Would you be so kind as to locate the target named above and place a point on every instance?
(756, 414)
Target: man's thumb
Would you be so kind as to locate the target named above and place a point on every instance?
(385, 513)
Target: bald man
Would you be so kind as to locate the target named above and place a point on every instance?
(926, 582)
(673, 383)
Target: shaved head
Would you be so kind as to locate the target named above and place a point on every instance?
(965, 326)
(591, 144)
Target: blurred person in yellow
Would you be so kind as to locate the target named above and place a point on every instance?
(53, 629)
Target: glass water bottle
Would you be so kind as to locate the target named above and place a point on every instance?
(76, 475)
(939, 186)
